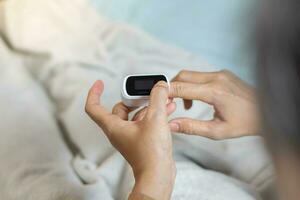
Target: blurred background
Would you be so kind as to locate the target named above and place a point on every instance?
(218, 31)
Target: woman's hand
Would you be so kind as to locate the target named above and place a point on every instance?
(234, 102)
(145, 143)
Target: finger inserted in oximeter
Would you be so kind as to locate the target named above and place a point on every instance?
(137, 88)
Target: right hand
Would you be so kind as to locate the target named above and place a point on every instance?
(234, 102)
(146, 142)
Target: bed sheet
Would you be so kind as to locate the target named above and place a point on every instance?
(65, 47)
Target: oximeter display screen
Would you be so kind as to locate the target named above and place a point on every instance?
(142, 85)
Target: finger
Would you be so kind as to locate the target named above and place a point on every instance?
(191, 91)
(187, 104)
(171, 107)
(210, 129)
(195, 77)
(94, 94)
(158, 99)
(122, 110)
(140, 114)
(170, 100)
(93, 108)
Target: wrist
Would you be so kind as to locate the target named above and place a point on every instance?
(156, 181)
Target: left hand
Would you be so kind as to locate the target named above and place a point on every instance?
(234, 102)
(145, 143)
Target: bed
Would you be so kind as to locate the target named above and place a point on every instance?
(51, 53)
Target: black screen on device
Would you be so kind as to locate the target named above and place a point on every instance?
(142, 85)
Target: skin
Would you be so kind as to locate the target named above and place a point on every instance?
(144, 142)
(236, 115)
(147, 139)
(233, 100)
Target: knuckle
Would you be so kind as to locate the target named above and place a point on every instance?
(182, 74)
(218, 89)
(178, 89)
(226, 71)
(223, 75)
(188, 128)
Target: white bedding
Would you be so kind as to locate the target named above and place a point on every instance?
(51, 52)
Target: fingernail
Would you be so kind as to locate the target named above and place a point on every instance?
(174, 126)
(97, 86)
(161, 83)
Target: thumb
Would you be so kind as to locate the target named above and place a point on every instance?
(211, 129)
(96, 111)
(158, 99)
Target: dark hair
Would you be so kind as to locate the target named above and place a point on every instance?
(279, 73)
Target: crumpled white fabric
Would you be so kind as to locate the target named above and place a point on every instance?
(66, 46)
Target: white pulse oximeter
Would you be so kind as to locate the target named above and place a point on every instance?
(137, 88)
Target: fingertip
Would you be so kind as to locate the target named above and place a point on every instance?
(98, 86)
(159, 96)
(93, 98)
(171, 107)
(174, 126)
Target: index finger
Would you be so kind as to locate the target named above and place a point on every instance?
(122, 110)
(158, 99)
(195, 76)
(191, 91)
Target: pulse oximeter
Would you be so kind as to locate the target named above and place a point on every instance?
(137, 88)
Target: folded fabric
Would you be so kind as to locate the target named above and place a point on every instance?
(35, 161)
